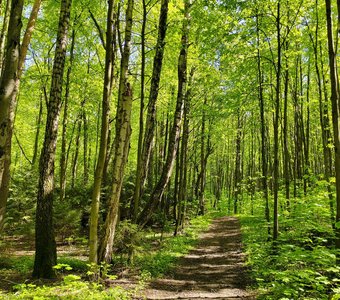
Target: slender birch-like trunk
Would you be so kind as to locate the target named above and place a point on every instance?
(121, 142)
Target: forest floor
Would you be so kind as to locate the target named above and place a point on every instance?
(215, 269)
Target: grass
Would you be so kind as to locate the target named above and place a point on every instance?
(159, 261)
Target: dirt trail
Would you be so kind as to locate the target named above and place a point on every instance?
(213, 270)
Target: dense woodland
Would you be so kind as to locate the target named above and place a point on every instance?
(121, 117)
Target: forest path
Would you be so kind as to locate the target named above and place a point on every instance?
(213, 270)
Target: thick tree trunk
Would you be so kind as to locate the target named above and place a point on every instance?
(9, 86)
(157, 193)
(45, 254)
(143, 162)
(107, 92)
(121, 142)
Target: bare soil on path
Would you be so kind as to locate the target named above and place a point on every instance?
(215, 269)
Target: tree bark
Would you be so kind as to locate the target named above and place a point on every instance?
(276, 126)
(85, 144)
(183, 166)
(63, 161)
(238, 166)
(286, 156)
(335, 112)
(264, 152)
(324, 114)
(135, 202)
(28, 34)
(45, 254)
(76, 153)
(107, 92)
(3, 34)
(143, 162)
(121, 142)
(157, 193)
(8, 92)
(37, 134)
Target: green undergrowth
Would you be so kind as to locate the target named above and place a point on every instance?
(72, 287)
(155, 255)
(23, 265)
(157, 252)
(302, 263)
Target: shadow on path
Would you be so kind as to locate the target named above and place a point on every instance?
(213, 270)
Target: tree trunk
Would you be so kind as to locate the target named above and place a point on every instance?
(121, 142)
(157, 193)
(85, 144)
(238, 167)
(175, 192)
(63, 162)
(45, 254)
(3, 34)
(135, 202)
(143, 162)
(324, 115)
(286, 156)
(37, 134)
(183, 166)
(306, 138)
(76, 154)
(264, 155)
(335, 112)
(276, 126)
(8, 92)
(28, 34)
(107, 92)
